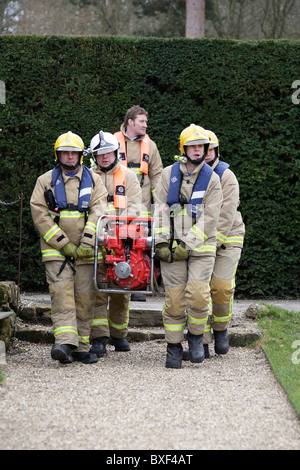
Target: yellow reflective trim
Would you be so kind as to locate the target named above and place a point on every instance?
(84, 339)
(65, 329)
(164, 230)
(205, 248)
(46, 253)
(51, 233)
(197, 321)
(91, 226)
(71, 214)
(221, 237)
(170, 327)
(122, 326)
(234, 240)
(100, 321)
(196, 230)
(221, 319)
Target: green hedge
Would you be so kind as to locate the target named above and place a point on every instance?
(240, 90)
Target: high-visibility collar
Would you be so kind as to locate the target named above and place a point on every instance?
(144, 151)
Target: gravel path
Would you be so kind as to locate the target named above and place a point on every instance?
(130, 401)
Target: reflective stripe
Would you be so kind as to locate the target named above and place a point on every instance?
(91, 226)
(221, 237)
(71, 214)
(122, 326)
(65, 329)
(169, 327)
(46, 253)
(100, 321)
(225, 239)
(198, 194)
(145, 213)
(110, 208)
(51, 232)
(84, 339)
(85, 191)
(197, 321)
(205, 248)
(221, 319)
(182, 212)
(164, 230)
(234, 240)
(196, 230)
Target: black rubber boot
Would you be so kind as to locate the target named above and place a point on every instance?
(186, 353)
(120, 344)
(99, 346)
(85, 357)
(62, 353)
(196, 349)
(174, 355)
(221, 342)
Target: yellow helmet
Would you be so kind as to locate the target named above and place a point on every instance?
(193, 135)
(214, 141)
(71, 142)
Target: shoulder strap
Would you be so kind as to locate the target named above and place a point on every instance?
(119, 188)
(220, 168)
(175, 184)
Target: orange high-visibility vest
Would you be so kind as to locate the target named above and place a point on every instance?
(144, 151)
(119, 188)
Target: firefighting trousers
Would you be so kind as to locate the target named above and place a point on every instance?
(187, 296)
(111, 312)
(72, 301)
(222, 290)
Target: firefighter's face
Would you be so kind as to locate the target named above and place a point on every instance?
(139, 124)
(105, 159)
(210, 155)
(195, 151)
(70, 158)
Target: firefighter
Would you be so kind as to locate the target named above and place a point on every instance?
(65, 205)
(230, 238)
(187, 204)
(139, 153)
(111, 313)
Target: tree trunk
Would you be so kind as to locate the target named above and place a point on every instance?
(195, 18)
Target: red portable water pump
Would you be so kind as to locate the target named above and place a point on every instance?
(128, 248)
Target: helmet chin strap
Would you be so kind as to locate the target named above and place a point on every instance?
(70, 167)
(212, 161)
(197, 161)
(109, 167)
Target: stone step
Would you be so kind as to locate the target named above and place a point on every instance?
(239, 336)
(142, 314)
(145, 322)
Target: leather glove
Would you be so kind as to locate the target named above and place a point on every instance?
(162, 252)
(180, 253)
(85, 251)
(69, 250)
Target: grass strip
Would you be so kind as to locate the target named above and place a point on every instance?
(281, 344)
